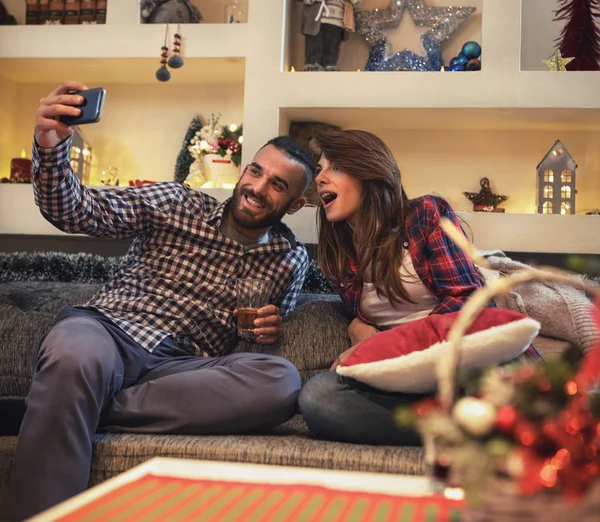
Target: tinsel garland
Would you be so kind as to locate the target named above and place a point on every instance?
(57, 267)
(90, 268)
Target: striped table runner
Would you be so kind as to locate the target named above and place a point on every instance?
(160, 498)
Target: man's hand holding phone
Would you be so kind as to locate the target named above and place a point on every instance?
(49, 130)
(72, 103)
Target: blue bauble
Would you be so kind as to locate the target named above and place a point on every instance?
(163, 75)
(453, 62)
(175, 62)
(457, 68)
(471, 50)
(462, 60)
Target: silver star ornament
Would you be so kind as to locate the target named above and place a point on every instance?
(442, 22)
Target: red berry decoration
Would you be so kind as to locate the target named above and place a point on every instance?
(506, 419)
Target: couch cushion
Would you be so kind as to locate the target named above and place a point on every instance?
(27, 310)
(403, 358)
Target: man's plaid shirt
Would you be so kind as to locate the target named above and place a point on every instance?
(178, 277)
(440, 264)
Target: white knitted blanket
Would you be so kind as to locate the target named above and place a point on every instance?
(564, 312)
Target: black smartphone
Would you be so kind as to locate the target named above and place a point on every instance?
(91, 108)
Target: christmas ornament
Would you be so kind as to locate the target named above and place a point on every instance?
(557, 63)
(163, 75)
(467, 59)
(475, 416)
(506, 419)
(580, 36)
(485, 200)
(497, 387)
(473, 65)
(196, 177)
(176, 61)
(442, 22)
(471, 50)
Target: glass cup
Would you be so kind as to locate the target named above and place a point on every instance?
(252, 294)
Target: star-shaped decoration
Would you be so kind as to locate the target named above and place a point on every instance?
(485, 200)
(442, 22)
(557, 63)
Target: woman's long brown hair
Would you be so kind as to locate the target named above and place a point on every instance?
(377, 237)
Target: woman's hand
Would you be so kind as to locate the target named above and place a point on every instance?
(343, 358)
(49, 131)
(358, 331)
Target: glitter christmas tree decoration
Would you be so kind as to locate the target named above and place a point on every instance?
(580, 36)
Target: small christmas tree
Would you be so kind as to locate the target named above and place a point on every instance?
(580, 37)
(185, 159)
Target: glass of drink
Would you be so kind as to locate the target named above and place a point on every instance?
(252, 294)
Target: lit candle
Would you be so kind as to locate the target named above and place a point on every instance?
(20, 169)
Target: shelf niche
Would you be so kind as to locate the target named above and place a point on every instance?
(143, 122)
(355, 51)
(448, 151)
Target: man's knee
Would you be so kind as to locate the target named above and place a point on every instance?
(76, 345)
(276, 397)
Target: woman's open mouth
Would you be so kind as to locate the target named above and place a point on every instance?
(328, 198)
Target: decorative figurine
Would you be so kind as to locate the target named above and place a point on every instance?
(170, 12)
(325, 24)
(485, 200)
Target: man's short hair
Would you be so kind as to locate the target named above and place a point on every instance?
(294, 151)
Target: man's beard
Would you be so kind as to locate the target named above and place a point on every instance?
(245, 220)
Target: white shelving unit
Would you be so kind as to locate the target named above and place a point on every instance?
(500, 102)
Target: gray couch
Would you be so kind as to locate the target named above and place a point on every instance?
(314, 335)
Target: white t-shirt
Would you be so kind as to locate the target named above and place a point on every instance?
(382, 313)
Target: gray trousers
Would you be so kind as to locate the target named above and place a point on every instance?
(90, 374)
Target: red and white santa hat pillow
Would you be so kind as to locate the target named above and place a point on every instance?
(402, 359)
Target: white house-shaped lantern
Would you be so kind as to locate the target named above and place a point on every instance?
(556, 182)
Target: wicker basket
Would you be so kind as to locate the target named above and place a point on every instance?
(504, 504)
